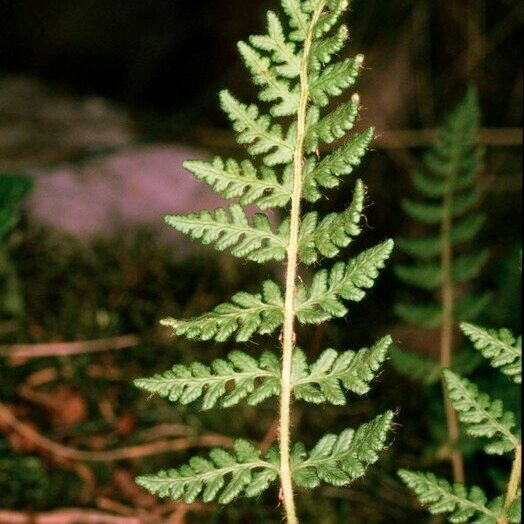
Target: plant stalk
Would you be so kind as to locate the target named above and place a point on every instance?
(513, 484)
(446, 334)
(288, 333)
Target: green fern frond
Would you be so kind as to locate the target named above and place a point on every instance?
(275, 89)
(249, 378)
(231, 230)
(295, 67)
(223, 476)
(333, 372)
(298, 19)
(334, 232)
(341, 162)
(501, 348)
(340, 459)
(282, 52)
(233, 180)
(320, 301)
(265, 138)
(246, 314)
(333, 126)
(482, 416)
(442, 497)
(414, 366)
(323, 51)
(334, 80)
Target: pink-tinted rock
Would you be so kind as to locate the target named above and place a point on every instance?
(124, 191)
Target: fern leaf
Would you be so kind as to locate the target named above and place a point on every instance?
(326, 379)
(341, 162)
(222, 475)
(233, 180)
(340, 459)
(323, 50)
(334, 79)
(471, 305)
(282, 52)
(298, 20)
(429, 247)
(442, 497)
(501, 348)
(425, 315)
(330, 16)
(414, 366)
(249, 378)
(424, 276)
(333, 126)
(467, 267)
(246, 314)
(334, 232)
(265, 139)
(275, 89)
(320, 301)
(482, 416)
(232, 230)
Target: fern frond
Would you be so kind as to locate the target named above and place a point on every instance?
(323, 50)
(265, 138)
(334, 232)
(333, 372)
(430, 246)
(233, 180)
(275, 89)
(429, 275)
(341, 162)
(334, 80)
(501, 348)
(333, 126)
(249, 378)
(320, 301)
(442, 497)
(231, 230)
(246, 314)
(482, 416)
(340, 459)
(298, 19)
(245, 471)
(425, 315)
(414, 366)
(282, 52)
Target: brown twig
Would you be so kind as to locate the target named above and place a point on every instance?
(63, 349)
(270, 437)
(386, 139)
(132, 452)
(66, 516)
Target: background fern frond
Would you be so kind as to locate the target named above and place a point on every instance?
(442, 497)
(340, 459)
(333, 372)
(245, 471)
(253, 379)
(501, 348)
(482, 416)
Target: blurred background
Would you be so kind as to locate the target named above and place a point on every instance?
(100, 102)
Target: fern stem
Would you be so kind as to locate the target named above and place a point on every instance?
(288, 334)
(513, 484)
(446, 333)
